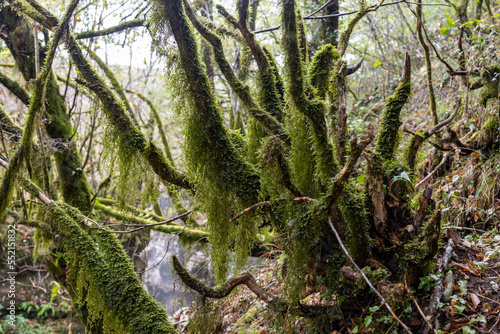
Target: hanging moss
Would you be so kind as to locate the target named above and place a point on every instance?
(313, 109)
(275, 171)
(223, 178)
(387, 139)
(305, 231)
(124, 128)
(135, 177)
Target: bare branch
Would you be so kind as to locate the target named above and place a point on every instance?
(265, 203)
(366, 278)
(445, 157)
(353, 69)
(222, 290)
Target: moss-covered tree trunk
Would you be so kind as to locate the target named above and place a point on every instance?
(20, 41)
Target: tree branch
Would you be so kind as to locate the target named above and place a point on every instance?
(266, 203)
(270, 101)
(117, 114)
(23, 154)
(15, 89)
(241, 90)
(222, 290)
(120, 27)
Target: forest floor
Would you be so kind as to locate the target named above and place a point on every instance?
(471, 300)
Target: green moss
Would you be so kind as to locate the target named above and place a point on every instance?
(491, 125)
(247, 318)
(275, 170)
(352, 207)
(314, 109)
(304, 227)
(346, 34)
(169, 228)
(490, 78)
(255, 134)
(103, 274)
(387, 139)
(135, 178)
(302, 159)
(224, 179)
(321, 67)
(412, 149)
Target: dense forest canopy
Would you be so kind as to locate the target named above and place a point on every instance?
(341, 140)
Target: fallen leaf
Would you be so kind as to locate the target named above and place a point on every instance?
(475, 300)
(415, 322)
(453, 235)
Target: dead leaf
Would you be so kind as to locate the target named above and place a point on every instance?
(453, 235)
(415, 322)
(475, 300)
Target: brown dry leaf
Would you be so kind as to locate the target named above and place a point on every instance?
(453, 235)
(415, 322)
(475, 300)
(335, 332)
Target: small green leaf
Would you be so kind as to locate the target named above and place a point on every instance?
(368, 320)
(55, 289)
(404, 176)
(443, 31)
(378, 63)
(355, 330)
(478, 319)
(374, 309)
(361, 179)
(450, 22)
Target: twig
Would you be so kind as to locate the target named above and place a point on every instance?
(495, 324)
(163, 257)
(445, 156)
(294, 199)
(143, 226)
(434, 129)
(491, 300)
(320, 8)
(439, 287)
(419, 309)
(366, 278)
(310, 17)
